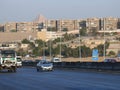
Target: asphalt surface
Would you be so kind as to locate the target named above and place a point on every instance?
(29, 79)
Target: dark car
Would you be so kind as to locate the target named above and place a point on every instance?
(110, 60)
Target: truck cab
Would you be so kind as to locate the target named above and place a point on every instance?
(8, 60)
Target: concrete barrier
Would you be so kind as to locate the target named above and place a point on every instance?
(82, 65)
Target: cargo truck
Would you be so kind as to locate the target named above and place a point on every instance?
(8, 60)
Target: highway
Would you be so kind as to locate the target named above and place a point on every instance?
(28, 78)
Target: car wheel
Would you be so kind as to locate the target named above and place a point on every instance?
(37, 70)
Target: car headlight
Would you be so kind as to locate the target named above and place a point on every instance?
(42, 66)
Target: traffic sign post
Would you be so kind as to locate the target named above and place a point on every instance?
(95, 55)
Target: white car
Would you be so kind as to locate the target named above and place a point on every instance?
(55, 59)
(19, 62)
(44, 65)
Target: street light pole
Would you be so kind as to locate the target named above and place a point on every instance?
(104, 36)
(50, 45)
(79, 46)
(60, 36)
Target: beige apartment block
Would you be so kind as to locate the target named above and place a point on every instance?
(10, 27)
(118, 24)
(67, 24)
(8, 45)
(27, 26)
(47, 35)
(92, 24)
(109, 23)
(24, 46)
(81, 23)
(1, 27)
(51, 23)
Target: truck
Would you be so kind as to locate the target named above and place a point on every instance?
(8, 60)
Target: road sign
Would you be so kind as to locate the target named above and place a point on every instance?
(95, 54)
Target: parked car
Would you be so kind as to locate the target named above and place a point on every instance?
(44, 65)
(110, 60)
(55, 59)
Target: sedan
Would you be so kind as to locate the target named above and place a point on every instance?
(44, 65)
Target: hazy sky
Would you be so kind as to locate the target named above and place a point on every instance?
(28, 10)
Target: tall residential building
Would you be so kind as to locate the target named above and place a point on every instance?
(109, 23)
(118, 23)
(1, 28)
(51, 24)
(67, 25)
(27, 27)
(92, 24)
(47, 35)
(10, 27)
(82, 23)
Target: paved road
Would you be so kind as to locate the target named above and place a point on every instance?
(29, 79)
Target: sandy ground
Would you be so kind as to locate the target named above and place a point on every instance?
(89, 59)
(71, 59)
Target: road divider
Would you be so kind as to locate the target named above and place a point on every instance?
(82, 65)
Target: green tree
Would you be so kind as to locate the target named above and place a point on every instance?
(75, 52)
(21, 52)
(111, 53)
(65, 29)
(83, 32)
(85, 51)
(52, 29)
(25, 41)
(13, 30)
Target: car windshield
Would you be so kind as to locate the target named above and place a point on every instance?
(19, 60)
(46, 62)
(57, 60)
(8, 54)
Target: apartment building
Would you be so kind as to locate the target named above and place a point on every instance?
(51, 24)
(67, 25)
(109, 23)
(118, 24)
(1, 28)
(47, 35)
(92, 24)
(8, 45)
(10, 27)
(82, 24)
(27, 26)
